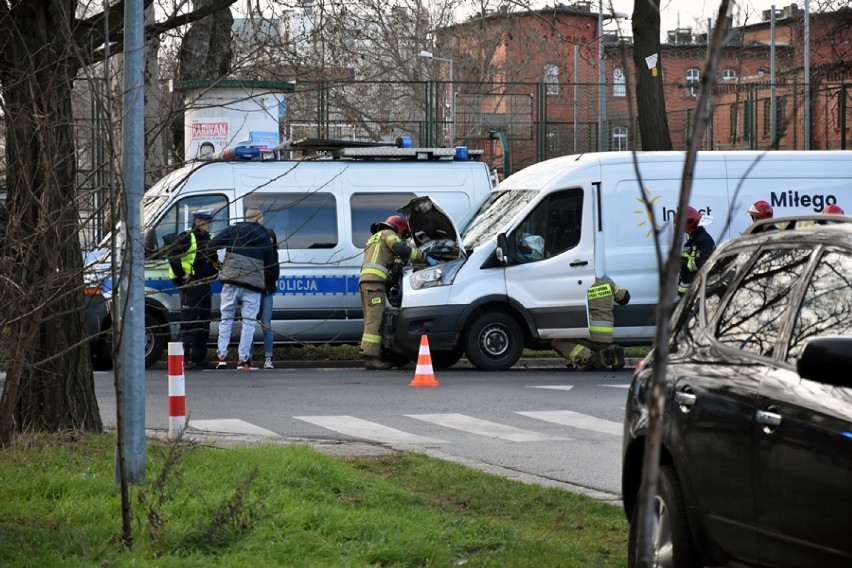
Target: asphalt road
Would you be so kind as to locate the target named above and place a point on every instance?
(543, 424)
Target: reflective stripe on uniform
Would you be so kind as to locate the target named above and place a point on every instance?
(188, 258)
(572, 356)
(371, 338)
(603, 326)
(600, 291)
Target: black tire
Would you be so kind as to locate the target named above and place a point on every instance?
(445, 359)
(494, 342)
(156, 337)
(672, 540)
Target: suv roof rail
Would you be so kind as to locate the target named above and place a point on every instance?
(799, 221)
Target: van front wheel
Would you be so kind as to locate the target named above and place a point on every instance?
(494, 342)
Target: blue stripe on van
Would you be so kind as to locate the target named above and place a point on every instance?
(295, 285)
(317, 285)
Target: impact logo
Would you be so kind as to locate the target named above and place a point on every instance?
(646, 213)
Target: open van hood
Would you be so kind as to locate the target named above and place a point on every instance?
(432, 230)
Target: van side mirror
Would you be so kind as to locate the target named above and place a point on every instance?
(827, 360)
(502, 250)
(150, 244)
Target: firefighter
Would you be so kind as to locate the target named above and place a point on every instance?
(192, 268)
(696, 250)
(762, 210)
(386, 246)
(598, 352)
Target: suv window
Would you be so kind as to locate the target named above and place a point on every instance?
(367, 208)
(754, 317)
(827, 304)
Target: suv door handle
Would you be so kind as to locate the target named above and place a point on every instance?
(685, 399)
(769, 418)
(579, 263)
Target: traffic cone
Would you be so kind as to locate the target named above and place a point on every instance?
(424, 376)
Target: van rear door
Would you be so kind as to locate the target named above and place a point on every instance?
(551, 262)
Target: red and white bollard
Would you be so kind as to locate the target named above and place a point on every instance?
(177, 392)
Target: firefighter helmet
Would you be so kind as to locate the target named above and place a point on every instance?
(394, 223)
(693, 218)
(761, 209)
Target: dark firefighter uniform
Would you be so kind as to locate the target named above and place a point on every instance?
(382, 250)
(696, 251)
(597, 352)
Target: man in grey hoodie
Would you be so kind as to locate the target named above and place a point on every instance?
(248, 250)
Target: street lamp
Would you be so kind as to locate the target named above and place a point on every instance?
(428, 55)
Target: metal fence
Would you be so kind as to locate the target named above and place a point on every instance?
(517, 124)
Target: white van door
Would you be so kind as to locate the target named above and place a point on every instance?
(552, 262)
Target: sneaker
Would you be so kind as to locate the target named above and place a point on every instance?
(245, 365)
(268, 363)
(222, 364)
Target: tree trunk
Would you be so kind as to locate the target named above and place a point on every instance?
(205, 55)
(653, 126)
(49, 382)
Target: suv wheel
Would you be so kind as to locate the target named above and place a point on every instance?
(672, 541)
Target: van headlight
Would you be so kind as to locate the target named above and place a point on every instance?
(441, 275)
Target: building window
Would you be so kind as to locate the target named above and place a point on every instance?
(693, 76)
(619, 88)
(551, 79)
(729, 74)
(619, 138)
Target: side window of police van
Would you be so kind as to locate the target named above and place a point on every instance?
(305, 220)
(367, 208)
(827, 304)
(755, 314)
(178, 218)
(552, 228)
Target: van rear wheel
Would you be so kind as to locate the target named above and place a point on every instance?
(494, 342)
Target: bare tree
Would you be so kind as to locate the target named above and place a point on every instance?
(49, 382)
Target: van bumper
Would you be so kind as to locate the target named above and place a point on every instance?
(439, 323)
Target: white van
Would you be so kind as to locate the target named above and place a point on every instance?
(528, 256)
(321, 211)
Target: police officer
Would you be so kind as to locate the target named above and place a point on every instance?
(598, 352)
(762, 210)
(385, 247)
(192, 269)
(696, 250)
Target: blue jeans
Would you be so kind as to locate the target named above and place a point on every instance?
(266, 322)
(249, 304)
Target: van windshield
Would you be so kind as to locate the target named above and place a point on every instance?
(154, 199)
(493, 214)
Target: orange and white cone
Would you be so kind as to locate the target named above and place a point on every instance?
(424, 376)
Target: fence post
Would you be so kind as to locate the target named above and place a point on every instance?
(177, 392)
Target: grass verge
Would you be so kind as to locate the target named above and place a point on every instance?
(287, 506)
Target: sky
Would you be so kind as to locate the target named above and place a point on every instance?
(694, 13)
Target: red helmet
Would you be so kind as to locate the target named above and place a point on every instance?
(833, 210)
(395, 223)
(762, 209)
(693, 217)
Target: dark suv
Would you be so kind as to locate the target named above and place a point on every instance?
(756, 458)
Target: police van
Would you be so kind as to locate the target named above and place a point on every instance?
(524, 262)
(321, 203)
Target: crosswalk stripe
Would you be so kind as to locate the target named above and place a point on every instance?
(484, 427)
(358, 428)
(553, 387)
(624, 386)
(576, 420)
